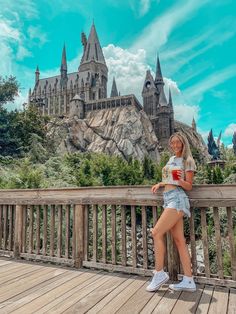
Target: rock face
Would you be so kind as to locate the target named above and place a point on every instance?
(194, 138)
(122, 131)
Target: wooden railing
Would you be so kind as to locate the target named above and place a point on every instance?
(109, 228)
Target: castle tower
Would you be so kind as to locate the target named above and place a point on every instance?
(63, 81)
(93, 69)
(37, 74)
(159, 110)
(194, 126)
(114, 91)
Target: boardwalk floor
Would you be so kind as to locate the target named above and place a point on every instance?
(32, 288)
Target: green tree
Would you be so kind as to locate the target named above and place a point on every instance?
(9, 88)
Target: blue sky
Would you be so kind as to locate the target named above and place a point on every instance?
(196, 42)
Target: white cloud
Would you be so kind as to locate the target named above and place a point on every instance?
(36, 34)
(144, 6)
(22, 53)
(230, 129)
(128, 68)
(157, 32)
(185, 113)
(172, 85)
(197, 91)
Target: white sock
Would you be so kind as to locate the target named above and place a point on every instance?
(160, 271)
(188, 278)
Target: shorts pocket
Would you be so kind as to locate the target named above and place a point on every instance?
(187, 203)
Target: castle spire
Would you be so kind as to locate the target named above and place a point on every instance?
(194, 126)
(37, 74)
(159, 77)
(162, 98)
(114, 91)
(63, 59)
(93, 50)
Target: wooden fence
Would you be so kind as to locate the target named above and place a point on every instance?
(108, 228)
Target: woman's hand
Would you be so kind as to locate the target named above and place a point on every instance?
(155, 187)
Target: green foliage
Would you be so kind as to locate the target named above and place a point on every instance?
(9, 88)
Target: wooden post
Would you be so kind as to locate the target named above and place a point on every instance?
(173, 258)
(79, 235)
(18, 231)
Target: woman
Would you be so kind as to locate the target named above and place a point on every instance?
(177, 176)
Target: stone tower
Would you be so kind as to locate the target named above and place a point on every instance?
(93, 71)
(159, 110)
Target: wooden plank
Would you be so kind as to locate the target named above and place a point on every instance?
(193, 243)
(95, 233)
(218, 242)
(123, 236)
(109, 297)
(187, 302)
(5, 223)
(45, 226)
(205, 241)
(104, 234)
(154, 301)
(144, 233)
(52, 230)
(1, 225)
(18, 230)
(167, 303)
(83, 305)
(79, 235)
(10, 243)
(205, 300)
(58, 278)
(86, 232)
(70, 293)
(59, 230)
(113, 234)
(232, 301)
(31, 230)
(136, 302)
(200, 196)
(24, 228)
(133, 236)
(67, 238)
(74, 235)
(154, 215)
(232, 243)
(37, 229)
(219, 301)
(123, 296)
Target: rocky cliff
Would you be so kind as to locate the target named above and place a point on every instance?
(123, 131)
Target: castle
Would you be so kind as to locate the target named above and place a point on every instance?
(79, 92)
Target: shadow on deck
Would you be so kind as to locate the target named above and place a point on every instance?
(32, 288)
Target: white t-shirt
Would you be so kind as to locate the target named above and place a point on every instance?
(176, 163)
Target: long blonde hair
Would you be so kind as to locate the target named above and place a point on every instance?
(186, 152)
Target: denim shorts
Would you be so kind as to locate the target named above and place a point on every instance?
(177, 199)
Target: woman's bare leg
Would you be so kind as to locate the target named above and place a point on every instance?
(167, 221)
(177, 232)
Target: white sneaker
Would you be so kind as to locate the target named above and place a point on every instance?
(187, 284)
(158, 280)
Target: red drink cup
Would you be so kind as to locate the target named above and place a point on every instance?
(175, 175)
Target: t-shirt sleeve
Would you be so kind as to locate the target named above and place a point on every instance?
(190, 165)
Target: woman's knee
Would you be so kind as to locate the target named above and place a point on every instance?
(179, 240)
(157, 233)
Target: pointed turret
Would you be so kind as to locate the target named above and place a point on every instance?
(63, 60)
(37, 73)
(194, 126)
(114, 91)
(93, 50)
(148, 83)
(162, 98)
(159, 77)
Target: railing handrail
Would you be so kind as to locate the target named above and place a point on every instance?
(200, 195)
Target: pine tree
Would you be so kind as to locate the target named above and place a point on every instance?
(234, 142)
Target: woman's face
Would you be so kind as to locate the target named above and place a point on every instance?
(176, 145)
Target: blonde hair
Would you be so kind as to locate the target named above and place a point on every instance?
(186, 152)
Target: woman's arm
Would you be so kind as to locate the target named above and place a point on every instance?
(187, 184)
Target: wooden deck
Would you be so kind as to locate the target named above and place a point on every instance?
(33, 288)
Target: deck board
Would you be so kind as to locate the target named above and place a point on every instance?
(40, 288)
